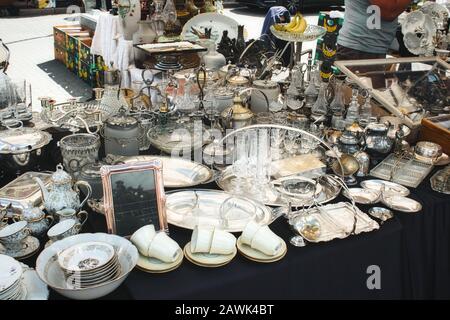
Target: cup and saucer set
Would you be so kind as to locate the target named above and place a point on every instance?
(260, 244)
(17, 242)
(212, 247)
(158, 253)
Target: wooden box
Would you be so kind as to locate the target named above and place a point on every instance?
(84, 49)
(60, 54)
(437, 130)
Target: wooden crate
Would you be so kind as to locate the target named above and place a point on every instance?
(437, 130)
(84, 49)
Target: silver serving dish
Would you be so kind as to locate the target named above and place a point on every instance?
(402, 204)
(390, 188)
(335, 220)
(177, 172)
(271, 196)
(381, 213)
(24, 192)
(231, 213)
(363, 196)
(21, 147)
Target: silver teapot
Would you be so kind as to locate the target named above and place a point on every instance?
(62, 193)
(377, 139)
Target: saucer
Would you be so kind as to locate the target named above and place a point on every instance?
(31, 246)
(153, 265)
(206, 259)
(36, 288)
(258, 256)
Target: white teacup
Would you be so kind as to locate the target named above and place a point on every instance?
(163, 248)
(143, 237)
(201, 239)
(222, 242)
(249, 232)
(266, 241)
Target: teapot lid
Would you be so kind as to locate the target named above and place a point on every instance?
(122, 120)
(60, 176)
(378, 127)
(91, 170)
(238, 80)
(265, 84)
(31, 214)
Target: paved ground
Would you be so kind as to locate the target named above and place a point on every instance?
(30, 40)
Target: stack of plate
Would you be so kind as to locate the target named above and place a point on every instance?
(11, 284)
(89, 264)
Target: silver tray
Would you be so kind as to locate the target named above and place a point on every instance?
(177, 139)
(177, 172)
(402, 204)
(336, 221)
(312, 33)
(390, 188)
(405, 171)
(269, 195)
(189, 208)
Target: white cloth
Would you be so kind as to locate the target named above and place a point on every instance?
(124, 60)
(107, 32)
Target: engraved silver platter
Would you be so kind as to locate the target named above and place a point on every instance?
(177, 172)
(231, 213)
(270, 195)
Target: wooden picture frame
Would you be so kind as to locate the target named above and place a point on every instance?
(133, 197)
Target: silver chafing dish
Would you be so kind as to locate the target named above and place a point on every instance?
(20, 147)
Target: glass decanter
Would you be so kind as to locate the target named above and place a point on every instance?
(311, 93)
(353, 109)
(320, 107)
(337, 106)
(366, 109)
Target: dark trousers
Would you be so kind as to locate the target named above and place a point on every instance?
(344, 53)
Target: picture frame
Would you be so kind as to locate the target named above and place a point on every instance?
(134, 196)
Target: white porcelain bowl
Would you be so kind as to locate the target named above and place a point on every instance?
(50, 272)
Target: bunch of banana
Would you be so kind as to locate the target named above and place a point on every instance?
(297, 25)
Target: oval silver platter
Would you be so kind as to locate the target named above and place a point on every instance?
(177, 172)
(188, 208)
(391, 188)
(270, 196)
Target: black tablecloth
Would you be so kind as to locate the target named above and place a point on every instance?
(412, 251)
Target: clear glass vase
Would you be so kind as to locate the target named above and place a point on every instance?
(320, 107)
